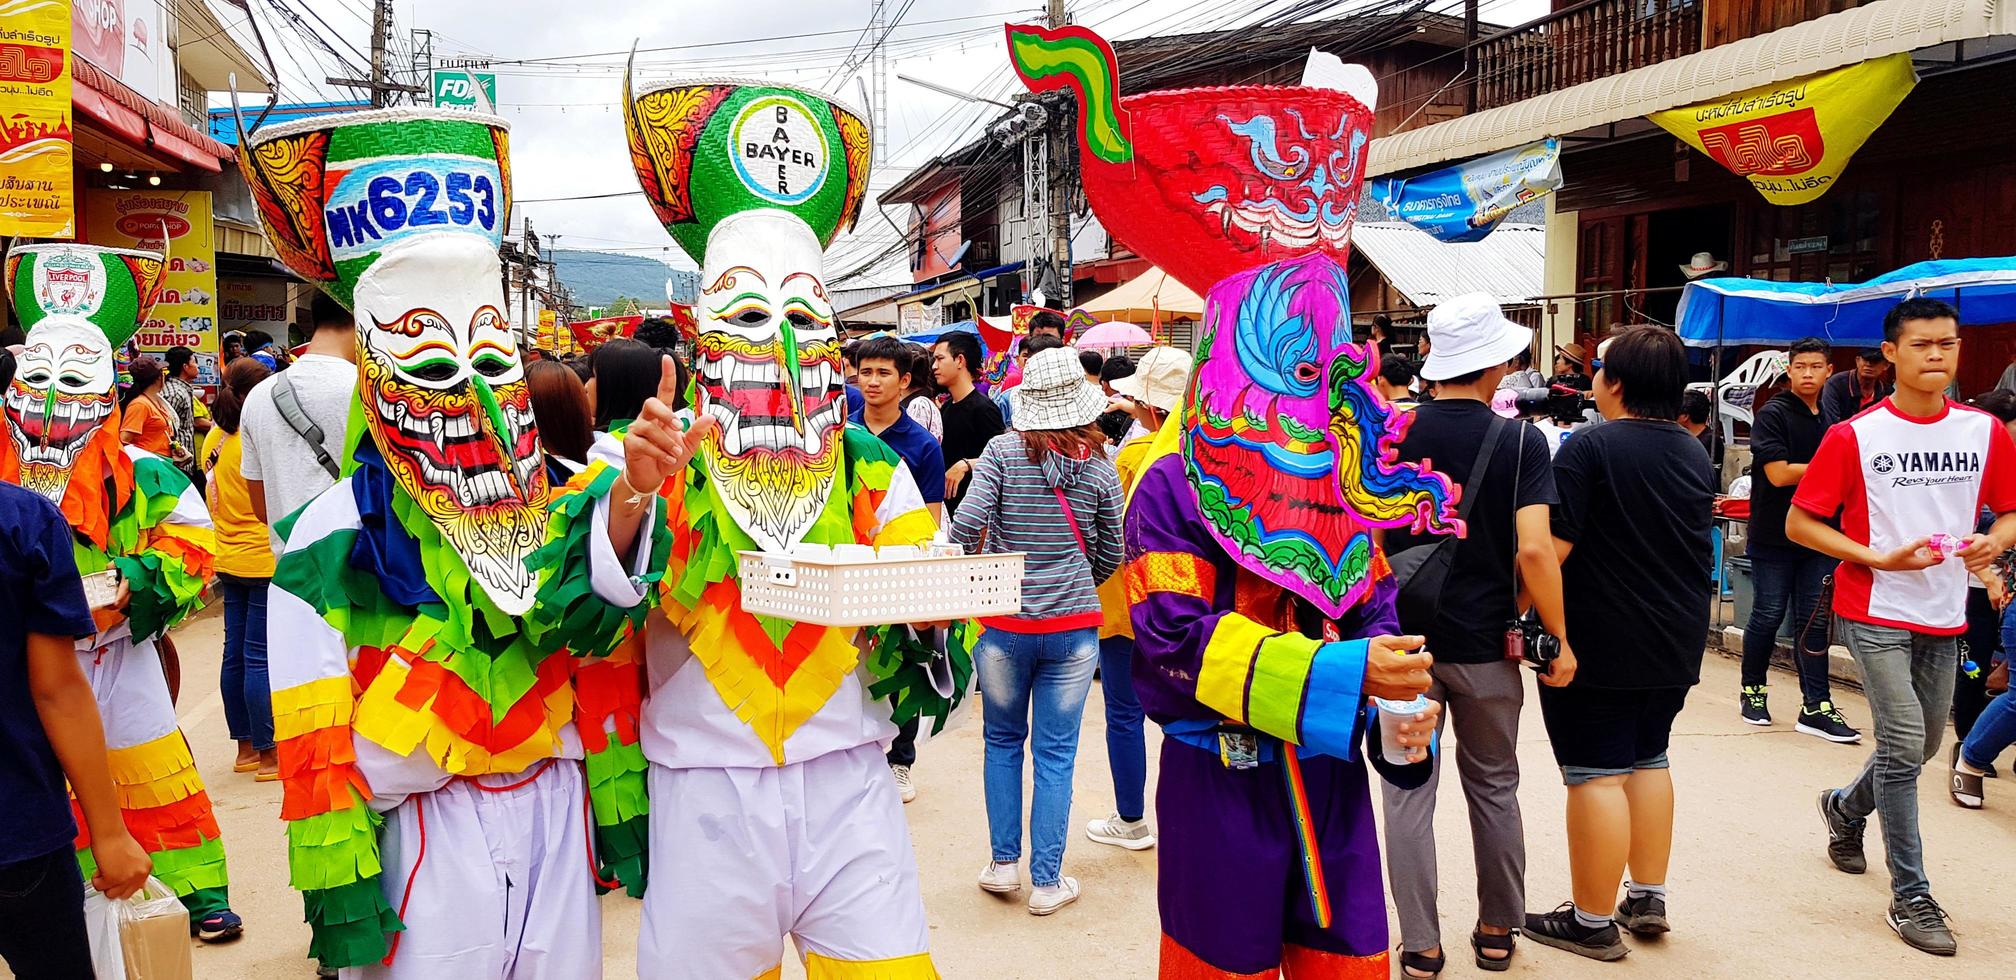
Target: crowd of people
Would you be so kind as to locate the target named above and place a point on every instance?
(1577, 523)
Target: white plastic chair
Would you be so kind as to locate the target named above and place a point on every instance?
(1737, 391)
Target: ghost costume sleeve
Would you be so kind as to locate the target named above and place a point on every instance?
(1301, 690)
(164, 545)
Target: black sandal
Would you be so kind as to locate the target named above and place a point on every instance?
(1481, 941)
(1430, 966)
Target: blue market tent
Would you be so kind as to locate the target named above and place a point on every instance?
(1736, 312)
(930, 336)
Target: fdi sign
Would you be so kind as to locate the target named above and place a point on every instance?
(452, 88)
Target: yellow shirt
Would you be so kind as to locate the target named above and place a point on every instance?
(1113, 592)
(242, 543)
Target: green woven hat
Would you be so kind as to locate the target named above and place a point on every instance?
(708, 149)
(335, 191)
(114, 288)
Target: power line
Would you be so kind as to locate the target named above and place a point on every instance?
(735, 41)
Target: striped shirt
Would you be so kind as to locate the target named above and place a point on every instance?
(1011, 501)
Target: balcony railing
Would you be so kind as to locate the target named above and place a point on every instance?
(1581, 42)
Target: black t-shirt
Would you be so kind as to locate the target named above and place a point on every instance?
(1477, 599)
(1636, 502)
(969, 423)
(40, 592)
(1786, 431)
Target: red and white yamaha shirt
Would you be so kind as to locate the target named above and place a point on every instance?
(1895, 479)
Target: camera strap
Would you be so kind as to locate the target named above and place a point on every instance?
(1518, 478)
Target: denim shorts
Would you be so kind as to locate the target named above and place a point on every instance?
(1601, 732)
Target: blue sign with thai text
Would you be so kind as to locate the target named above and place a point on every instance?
(1465, 202)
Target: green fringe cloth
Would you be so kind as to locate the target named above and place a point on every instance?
(569, 613)
(162, 592)
(349, 923)
(619, 795)
(900, 663)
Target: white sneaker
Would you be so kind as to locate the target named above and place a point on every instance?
(1001, 877)
(1133, 835)
(904, 788)
(1046, 900)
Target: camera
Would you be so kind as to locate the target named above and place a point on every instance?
(1526, 639)
(1566, 405)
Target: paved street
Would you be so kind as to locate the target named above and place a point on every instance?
(1752, 892)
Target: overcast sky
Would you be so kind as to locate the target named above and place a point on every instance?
(567, 130)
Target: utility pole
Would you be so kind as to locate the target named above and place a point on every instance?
(878, 76)
(423, 60)
(1063, 179)
(527, 328)
(380, 84)
(1469, 56)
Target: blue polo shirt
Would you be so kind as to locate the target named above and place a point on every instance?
(920, 452)
(40, 592)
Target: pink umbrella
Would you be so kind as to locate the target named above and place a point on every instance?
(1118, 333)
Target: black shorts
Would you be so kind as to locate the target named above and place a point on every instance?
(1607, 732)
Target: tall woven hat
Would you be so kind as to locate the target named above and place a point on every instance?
(708, 149)
(114, 288)
(335, 191)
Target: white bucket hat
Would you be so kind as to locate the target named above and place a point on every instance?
(1054, 393)
(1158, 380)
(1468, 333)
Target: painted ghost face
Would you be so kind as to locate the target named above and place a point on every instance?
(60, 396)
(448, 405)
(768, 363)
(1285, 443)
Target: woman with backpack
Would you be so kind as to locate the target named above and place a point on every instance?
(1046, 490)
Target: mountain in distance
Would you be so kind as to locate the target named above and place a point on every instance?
(598, 278)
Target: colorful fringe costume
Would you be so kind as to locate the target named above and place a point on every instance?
(461, 772)
(1253, 575)
(773, 811)
(133, 512)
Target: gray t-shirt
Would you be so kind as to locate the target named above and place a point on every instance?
(275, 454)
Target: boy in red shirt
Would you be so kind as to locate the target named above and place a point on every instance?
(1907, 475)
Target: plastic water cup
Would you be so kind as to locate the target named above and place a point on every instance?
(1392, 715)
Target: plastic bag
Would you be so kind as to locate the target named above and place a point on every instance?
(145, 937)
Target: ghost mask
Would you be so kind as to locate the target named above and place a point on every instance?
(447, 403)
(1285, 443)
(767, 359)
(754, 180)
(78, 304)
(398, 214)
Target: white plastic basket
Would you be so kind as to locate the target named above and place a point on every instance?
(857, 586)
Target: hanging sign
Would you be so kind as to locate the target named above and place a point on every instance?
(1791, 140)
(1465, 202)
(37, 195)
(185, 315)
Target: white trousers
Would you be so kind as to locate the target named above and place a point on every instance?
(740, 858)
(504, 889)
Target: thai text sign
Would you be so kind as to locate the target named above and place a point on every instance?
(1465, 202)
(1791, 140)
(186, 313)
(37, 189)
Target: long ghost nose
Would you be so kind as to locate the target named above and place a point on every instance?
(787, 369)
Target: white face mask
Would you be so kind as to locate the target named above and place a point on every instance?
(448, 405)
(769, 370)
(61, 394)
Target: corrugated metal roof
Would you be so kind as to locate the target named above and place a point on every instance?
(1873, 30)
(1507, 264)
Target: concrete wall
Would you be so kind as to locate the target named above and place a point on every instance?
(1557, 317)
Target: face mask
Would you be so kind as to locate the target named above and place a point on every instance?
(1285, 443)
(754, 181)
(399, 215)
(78, 303)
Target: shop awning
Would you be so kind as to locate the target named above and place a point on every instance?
(1507, 264)
(141, 121)
(1870, 31)
(1738, 312)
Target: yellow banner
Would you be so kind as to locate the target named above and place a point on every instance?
(186, 314)
(37, 192)
(1791, 140)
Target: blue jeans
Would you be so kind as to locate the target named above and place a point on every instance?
(1908, 678)
(1994, 730)
(1788, 580)
(1126, 748)
(1046, 675)
(248, 700)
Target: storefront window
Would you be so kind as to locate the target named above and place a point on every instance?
(1837, 238)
